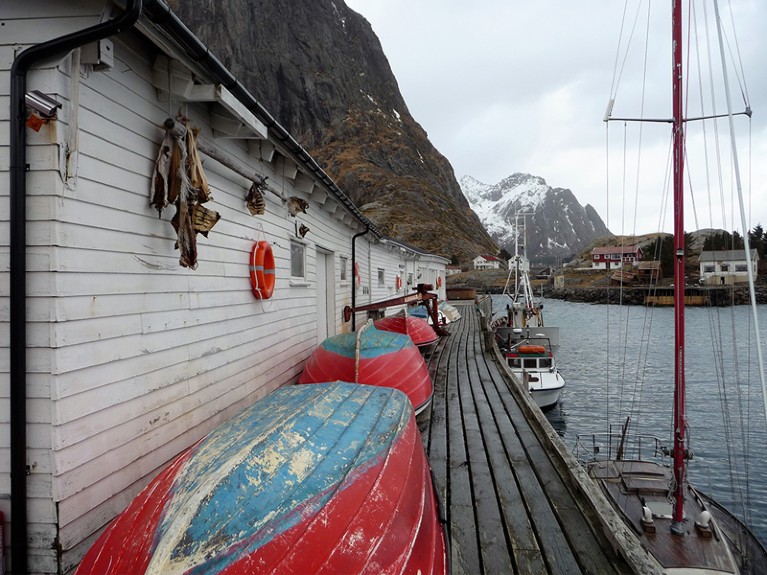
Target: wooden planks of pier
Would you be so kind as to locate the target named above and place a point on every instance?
(507, 507)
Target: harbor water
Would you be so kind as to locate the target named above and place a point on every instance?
(618, 362)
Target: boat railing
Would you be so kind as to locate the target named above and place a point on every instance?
(590, 447)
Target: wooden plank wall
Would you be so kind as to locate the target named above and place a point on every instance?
(133, 358)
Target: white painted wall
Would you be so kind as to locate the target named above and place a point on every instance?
(133, 358)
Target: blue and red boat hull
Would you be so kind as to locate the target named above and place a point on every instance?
(312, 479)
(373, 357)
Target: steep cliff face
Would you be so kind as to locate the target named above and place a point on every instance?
(318, 67)
(556, 224)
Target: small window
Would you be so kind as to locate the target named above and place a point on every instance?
(344, 264)
(297, 260)
(708, 269)
(725, 267)
(410, 278)
(741, 268)
(381, 280)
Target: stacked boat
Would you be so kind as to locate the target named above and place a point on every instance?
(374, 357)
(418, 329)
(328, 478)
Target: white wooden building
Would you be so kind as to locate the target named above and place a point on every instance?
(114, 357)
(726, 267)
(486, 262)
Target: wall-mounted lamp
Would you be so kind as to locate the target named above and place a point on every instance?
(42, 103)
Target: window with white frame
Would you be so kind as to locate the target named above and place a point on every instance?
(381, 278)
(297, 260)
(343, 265)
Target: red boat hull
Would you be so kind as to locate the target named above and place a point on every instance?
(311, 480)
(382, 358)
(418, 329)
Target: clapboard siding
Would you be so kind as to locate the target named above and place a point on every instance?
(132, 358)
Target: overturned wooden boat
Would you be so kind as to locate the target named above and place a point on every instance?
(417, 328)
(373, 357)
(311, 479)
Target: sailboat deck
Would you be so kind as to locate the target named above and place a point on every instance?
(507, 507)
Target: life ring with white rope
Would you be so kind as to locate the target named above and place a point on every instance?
(262, 275)
(439, 282)
(398, 282)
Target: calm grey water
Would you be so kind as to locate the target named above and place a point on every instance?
(618, 361)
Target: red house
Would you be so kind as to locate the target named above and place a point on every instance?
(615, 256)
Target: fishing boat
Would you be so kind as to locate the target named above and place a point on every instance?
(531, 359)
(524, 312)
(311, 479)
(418, 329)
(645, 478)
(373, 357)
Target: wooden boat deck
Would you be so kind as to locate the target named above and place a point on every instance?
(508, 506)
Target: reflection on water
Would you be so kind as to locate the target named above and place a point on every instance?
(618, 362)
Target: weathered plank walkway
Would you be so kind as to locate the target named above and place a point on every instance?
(503, 497)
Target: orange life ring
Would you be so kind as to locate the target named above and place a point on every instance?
(262, 270)
(398, 282)
(531, 349)
(357, 274)
(439, 282)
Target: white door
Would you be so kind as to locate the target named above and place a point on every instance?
(326, 297)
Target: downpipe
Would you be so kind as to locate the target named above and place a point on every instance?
(18, 168)
(354, 280)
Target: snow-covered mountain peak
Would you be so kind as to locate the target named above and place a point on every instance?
(558, 223)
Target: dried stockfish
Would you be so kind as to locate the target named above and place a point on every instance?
(161, 175)
(204, 219)
(197, 179)
(187, 240)
(255, 199)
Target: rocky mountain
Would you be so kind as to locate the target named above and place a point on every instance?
(320, 70)
(558, 224)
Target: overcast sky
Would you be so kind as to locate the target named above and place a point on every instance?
(505, 86)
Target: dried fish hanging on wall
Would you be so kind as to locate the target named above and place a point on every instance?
(178, 178)
(255, 198)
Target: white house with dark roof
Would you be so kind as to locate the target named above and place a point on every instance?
(725, 267)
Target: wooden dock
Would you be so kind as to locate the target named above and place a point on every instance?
(510, 500)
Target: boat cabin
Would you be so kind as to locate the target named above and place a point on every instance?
(531, 353)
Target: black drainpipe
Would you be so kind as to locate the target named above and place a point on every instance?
(18, 244)
(354, 272)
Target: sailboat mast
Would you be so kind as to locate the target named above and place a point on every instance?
(679, 263)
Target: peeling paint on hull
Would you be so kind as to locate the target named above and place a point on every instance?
(325, 478)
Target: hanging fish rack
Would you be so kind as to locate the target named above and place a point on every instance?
(228, 162)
